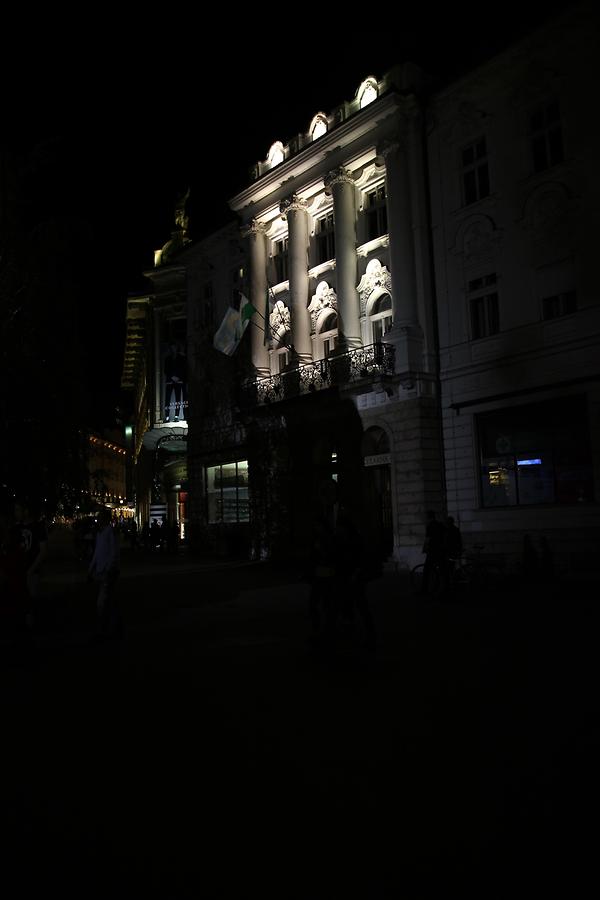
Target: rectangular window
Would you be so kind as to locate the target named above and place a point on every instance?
(325, 239)
(381, 327)
(546, 136)
(282, 359)
(475, 174)
(376, 212)
(329, 345)
(536, 454)
(280, 257)
(559, 305)
(227, 493)
(483, 306)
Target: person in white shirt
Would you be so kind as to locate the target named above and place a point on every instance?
(104, 569)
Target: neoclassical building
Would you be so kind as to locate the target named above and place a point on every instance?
(427, 332)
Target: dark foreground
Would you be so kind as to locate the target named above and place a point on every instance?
(209, 753)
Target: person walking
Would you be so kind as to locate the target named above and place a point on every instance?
(453, 549)
(104, 570)
(34, 540)
(433, 548)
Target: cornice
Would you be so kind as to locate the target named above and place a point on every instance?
(359, 126)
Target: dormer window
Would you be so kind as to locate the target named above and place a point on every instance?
(367, 92)
(276, 154)
(318, 126)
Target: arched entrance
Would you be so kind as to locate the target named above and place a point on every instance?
(378, 487)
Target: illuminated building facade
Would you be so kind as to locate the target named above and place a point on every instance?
(427, 332)
(155, 373)
(107, 464)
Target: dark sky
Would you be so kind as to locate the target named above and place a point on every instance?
(127, 116)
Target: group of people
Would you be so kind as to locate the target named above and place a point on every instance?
(443, 545)
(23, 549)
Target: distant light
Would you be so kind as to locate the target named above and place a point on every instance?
(529, 462)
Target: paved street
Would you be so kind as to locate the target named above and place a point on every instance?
(209, 753)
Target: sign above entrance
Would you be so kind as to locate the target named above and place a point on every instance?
(378, 459)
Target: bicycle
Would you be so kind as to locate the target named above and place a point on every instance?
(457, 574)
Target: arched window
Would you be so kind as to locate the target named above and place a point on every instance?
(381, 316)
(318, 126)
(276, 154)
(367, 92)
(328, 335)
(375, 441)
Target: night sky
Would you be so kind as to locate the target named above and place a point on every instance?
(125, 118)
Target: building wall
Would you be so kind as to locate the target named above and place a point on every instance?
(534, 230)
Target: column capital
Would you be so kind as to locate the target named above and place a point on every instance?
(253, 227)
(289, 204)
(389, 147)
(340, 175)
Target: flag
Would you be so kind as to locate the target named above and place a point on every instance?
(230, 331)
(268, 310)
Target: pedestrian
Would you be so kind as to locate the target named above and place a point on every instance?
(104, 570)
(34, 540)
(433, 548)
(453, 548)
(14, 597)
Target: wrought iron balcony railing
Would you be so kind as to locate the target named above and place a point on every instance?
(371, 361)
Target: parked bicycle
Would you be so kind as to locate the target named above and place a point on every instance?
(470, 571)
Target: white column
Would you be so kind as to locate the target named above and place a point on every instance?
(341, 184)
(256, 233)
(297, 217)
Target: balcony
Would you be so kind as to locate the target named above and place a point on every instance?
(373, 361)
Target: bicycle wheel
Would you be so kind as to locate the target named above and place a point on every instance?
(416, 578)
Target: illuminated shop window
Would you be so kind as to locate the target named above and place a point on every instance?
(536, 454)
(227, 492)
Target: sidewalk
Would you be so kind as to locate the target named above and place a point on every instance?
(209, 754)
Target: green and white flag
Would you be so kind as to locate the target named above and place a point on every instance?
(232, 328)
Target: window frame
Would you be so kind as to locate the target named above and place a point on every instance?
(238, 483)
(488, 301)
(475, 167)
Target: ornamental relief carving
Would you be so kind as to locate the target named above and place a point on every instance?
(476, 239)
(280, 321)
(377, 277)
(289, 204)
(324, 298)
(340, 175)
(253, 227)
(547, 210)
